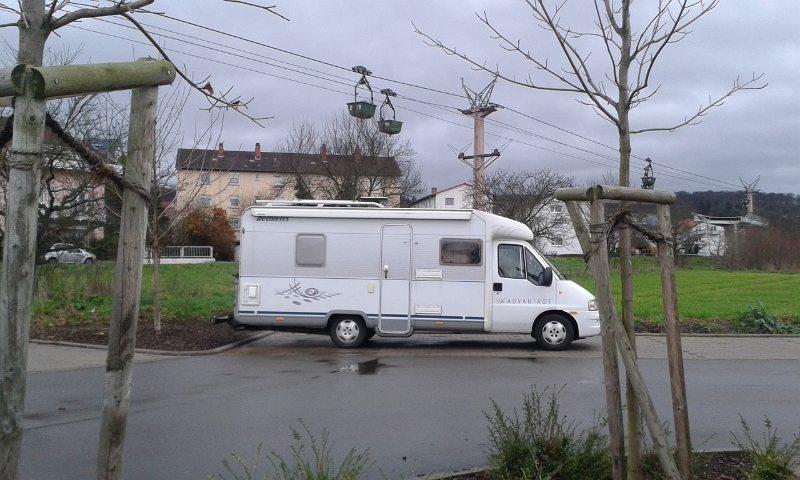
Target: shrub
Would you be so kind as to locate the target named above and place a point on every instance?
(758, 320)
(545, 445)
(771, 459)
(319, 466)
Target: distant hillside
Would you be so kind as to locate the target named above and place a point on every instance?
(729, 204)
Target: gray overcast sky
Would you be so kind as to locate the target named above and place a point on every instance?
(754, 134)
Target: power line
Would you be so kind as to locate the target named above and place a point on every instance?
(321, 77)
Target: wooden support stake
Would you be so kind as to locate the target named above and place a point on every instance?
(612, 325)
(674, 351)
(598, 263)
(16, 296)
(610, 192)
(72, 80)
(581, 230)
(127, 284)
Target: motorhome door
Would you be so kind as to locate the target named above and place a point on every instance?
(394, 317)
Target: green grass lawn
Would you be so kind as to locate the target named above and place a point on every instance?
(703, 291)
(82, 293)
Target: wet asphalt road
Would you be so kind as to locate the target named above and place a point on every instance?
(418, 404)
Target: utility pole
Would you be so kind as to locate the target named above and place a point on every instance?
(479, 109)
(749, 191)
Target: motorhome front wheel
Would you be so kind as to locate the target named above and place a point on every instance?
(348, 332)
(553, 332)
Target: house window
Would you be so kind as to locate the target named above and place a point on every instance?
(310, 250)
(233, 179)
(257, 177)
(278, 180)
(556, 208)
(234, 223)
(205, 178)
(205, 201)
(557, 241)
(459, 252)
(449, 202)
(233, 202)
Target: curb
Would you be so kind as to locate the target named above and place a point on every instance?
(726, 335)
(447, 475)
(166, 353)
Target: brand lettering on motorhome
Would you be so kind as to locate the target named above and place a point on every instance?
(272, 219)
(524, 301)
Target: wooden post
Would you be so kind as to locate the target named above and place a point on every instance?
(598, 263)
(19, 256)
(127, 284)
(674, 351)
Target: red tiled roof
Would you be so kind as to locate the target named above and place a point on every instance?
(284, 163)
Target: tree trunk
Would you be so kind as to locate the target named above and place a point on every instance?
(156, 285)
(127, 285)
(626, 265)
(19, 248)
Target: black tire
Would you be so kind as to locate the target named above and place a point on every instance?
(553, 332)
(52, 260)
(88, 261)
(348, 332)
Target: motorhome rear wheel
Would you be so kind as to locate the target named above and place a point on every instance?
(348, 332)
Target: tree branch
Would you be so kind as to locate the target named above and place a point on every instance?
(695, 119)
(269, 9)
(207, 90)
(121, 7)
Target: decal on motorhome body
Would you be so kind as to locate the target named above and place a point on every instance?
(524, 301)
(272, 219)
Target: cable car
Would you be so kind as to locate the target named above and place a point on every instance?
(385, 125)
(362, 109)
(648, 181)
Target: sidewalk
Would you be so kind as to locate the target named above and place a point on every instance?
(48, 357)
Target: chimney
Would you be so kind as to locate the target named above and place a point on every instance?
(258, 151)
(323, 153)
(221, 152)
(357, 154)
(433, 190)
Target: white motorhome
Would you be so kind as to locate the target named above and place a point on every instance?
(353, 270)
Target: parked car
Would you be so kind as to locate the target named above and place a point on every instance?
(65, 253)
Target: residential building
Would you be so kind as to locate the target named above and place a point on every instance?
(234, 179)
(457, 197)
(72, 197)
(708, 236)
(460, 196)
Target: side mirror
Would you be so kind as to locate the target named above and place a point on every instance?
(547, 277)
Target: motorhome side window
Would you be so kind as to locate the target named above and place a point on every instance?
(515, 261)
(454, 251)
(310, 250)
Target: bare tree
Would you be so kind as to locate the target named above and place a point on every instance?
(631, 53)
(527, 196)
(165, 213)
(369, 163)
(36, 20)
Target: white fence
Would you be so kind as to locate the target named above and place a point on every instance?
(181, 254)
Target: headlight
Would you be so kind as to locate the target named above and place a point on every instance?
(592, 305)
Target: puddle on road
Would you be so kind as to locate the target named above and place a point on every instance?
(370, 367)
